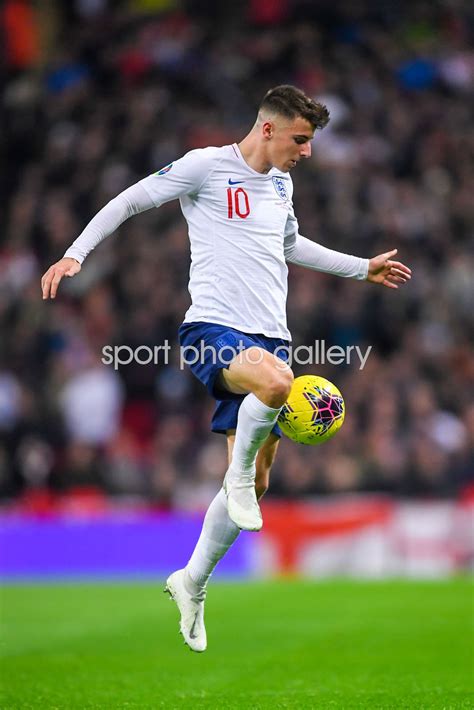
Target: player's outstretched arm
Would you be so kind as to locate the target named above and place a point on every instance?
(52, 278)
(383, 270)
(131, 201)
(183, 177)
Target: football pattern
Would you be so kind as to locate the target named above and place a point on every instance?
(314, 411)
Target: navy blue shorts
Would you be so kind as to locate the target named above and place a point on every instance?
(208, 348)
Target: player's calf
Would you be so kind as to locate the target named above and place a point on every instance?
(261, 487)
(265, 458)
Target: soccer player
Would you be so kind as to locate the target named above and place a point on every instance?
(237, 200)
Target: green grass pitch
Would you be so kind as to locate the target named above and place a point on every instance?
(281, 644)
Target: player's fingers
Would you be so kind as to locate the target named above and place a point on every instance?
(400, 270)
(389, 284)
(401, 275)
(44, 277)
(393, 278)
(55, 283)
(46, 283)
(401, 267)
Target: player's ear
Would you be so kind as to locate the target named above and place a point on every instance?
(267, 129)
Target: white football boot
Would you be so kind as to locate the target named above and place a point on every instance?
(242, 504)
(191, 608)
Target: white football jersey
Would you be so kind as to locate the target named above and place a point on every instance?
(242, 228)
(238, 222)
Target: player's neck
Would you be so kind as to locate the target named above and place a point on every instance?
(254, 153)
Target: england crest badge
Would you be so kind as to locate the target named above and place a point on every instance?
(280, 187)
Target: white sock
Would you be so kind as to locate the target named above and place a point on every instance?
(217, 535)
(254, 423)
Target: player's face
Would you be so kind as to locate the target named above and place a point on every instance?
(290, 142)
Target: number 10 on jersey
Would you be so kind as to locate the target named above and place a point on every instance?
(237, 203)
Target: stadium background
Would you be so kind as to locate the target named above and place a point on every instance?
(99, 94)
(106, 475)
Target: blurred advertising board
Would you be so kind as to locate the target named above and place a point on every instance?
(358, 536)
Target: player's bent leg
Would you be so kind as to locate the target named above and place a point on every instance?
(268, 381)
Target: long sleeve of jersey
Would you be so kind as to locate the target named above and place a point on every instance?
(131, 201)
(183, 177)
(304, 252)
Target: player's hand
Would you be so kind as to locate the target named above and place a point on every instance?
(382, 270)
(51, 279)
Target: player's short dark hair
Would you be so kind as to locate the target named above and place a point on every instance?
(291, 102)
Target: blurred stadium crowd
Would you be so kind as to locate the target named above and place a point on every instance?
(98, 94)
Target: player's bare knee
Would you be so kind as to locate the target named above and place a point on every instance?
(289, 379)
(278, 385)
